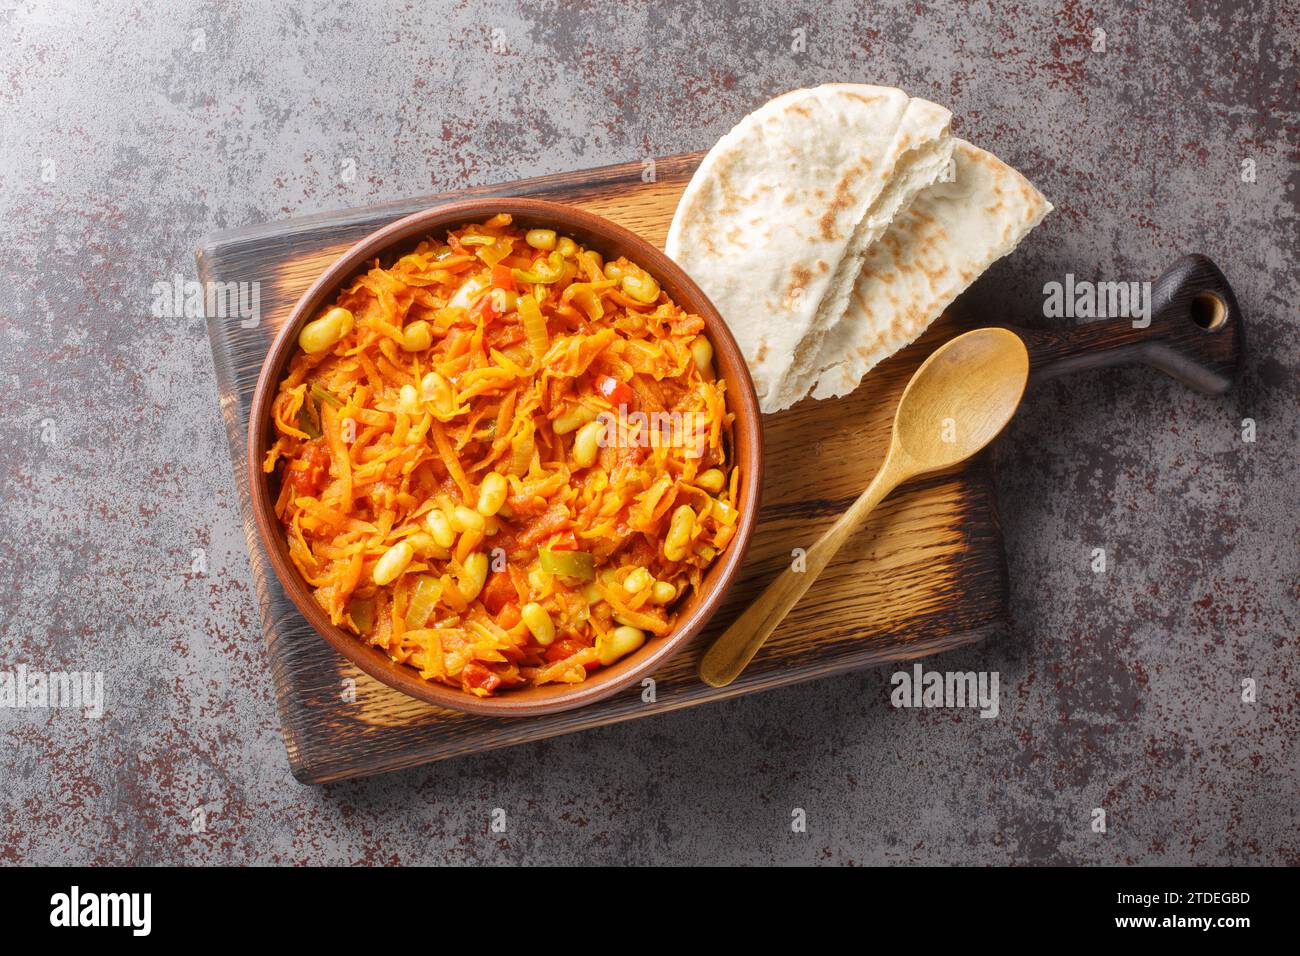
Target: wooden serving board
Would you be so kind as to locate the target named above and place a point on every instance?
(926, 575)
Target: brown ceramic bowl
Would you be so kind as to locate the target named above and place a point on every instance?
(388, 244)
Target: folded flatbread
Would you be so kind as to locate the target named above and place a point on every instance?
(775, 221)
(939, 245)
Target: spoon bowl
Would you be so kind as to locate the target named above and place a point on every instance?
(961, 397)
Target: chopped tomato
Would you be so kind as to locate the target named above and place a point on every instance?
(503, 278)
(564, 541)
(498, 591)
(309, 477)
(614, 391)
(564, 648)
(486, 307)
(508, 616)
(477, 677)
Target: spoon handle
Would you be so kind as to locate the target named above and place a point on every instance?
(732, 652)
(1195, 333)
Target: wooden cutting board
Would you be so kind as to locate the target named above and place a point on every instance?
(926, 575)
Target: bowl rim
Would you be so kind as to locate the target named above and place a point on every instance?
(742, 401)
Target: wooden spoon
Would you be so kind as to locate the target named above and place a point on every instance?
(955, 404)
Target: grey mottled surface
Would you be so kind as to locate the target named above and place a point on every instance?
(132, 130)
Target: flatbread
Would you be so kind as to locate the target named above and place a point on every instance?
(950, 234)
(774, 223)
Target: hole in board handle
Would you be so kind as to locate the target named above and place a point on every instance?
(1208, 311)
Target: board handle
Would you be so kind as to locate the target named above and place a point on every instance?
(1196, 333)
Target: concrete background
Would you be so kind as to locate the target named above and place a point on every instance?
(131, 130)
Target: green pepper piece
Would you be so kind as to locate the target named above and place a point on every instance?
(325, 395)
(362, 612)
(309, 419)
(573, 564)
